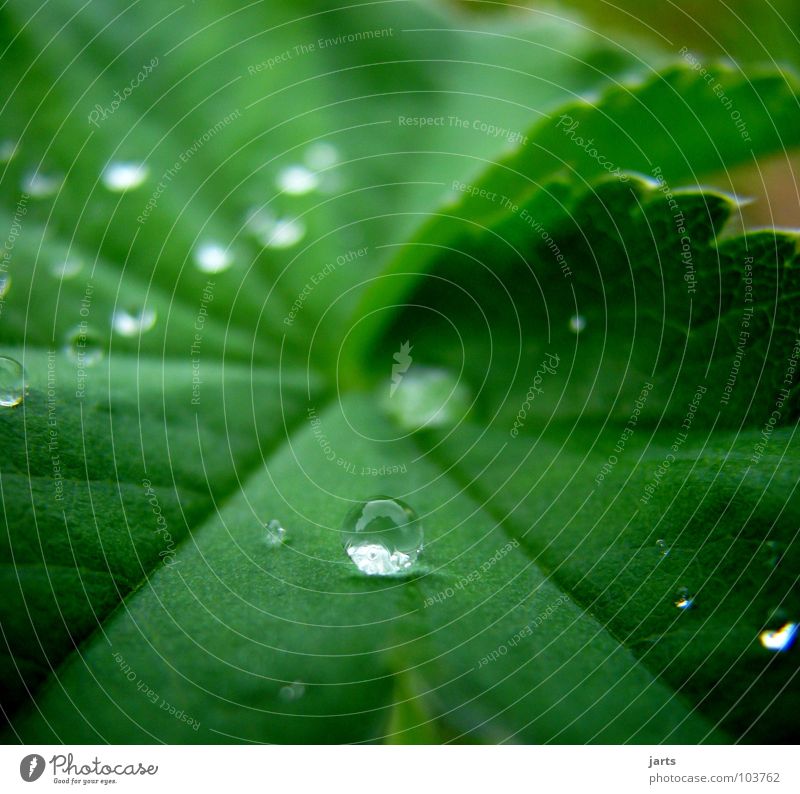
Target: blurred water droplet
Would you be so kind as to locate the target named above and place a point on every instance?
(275, 532)
(121, 177)
(662, 547)
(39, 185)
(8, 151)
(84, 346)
(67, 268)
(577, 323)
(212, 258)
(382, 536)
(683, 600)
(292, 692)
(774, 550)
(132, 322)
(259, 221)
(779, 639)
(297, 180)
(426, 398)
(5, 284)
(12, 382)
(321, 155)
(284, 233)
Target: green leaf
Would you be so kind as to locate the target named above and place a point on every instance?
(144, 601)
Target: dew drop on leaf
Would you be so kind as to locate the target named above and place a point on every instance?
(662, 547)
(8, 150)
(297, 180)
(577, 323)
(132, 322)
(683, 600)
(212, 258)
(121, 177)
(284, 233)
(425, 398)
(39, 185)
(12, 382)
(779, 639)
(382, 536)
(321, 155)
(291, 692)
(84, 346)
(5, 284)
(66, 268)
(275, 532)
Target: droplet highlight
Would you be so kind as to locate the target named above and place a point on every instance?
(663, 548)
(577, 323)
(12, 382)
(292, 692)
(8, 151)
(5, 284)
(38, 185)
(382, 536)
(284, 233)
(213, 258)
(276, 533)
(132, 322)
(67, 268)
(122, 177)
(683, 599)
(420, 398)
(297, 180)
(780, 639)
(321, 155)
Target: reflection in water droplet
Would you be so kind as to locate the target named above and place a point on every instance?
(5, 284)
(683, 600)
(297, 180)
(321, 155)
(781, 639)
(120, 177)
(284, 233)
(577, 323)
(212, 258)
(292, 692)
(66, 269)
(275, 532)
(662, 547)
(131, 322)
(382, 536)
(84, 346)
(12, 382)
(425, 397)
(38, 185)
(8, 151)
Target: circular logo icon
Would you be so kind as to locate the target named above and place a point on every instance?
(31, 767)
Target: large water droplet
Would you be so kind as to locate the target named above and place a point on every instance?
(284, 233)
(291, 692)
(275, 532)
(297, 180)
(577, 323)
(321, 155)
(12, 382)
(84, 346)
(683, 599)
(424, 397)
(8, 150)
(779, 639)
(39, 185)
(382, 536)
(212, 258)
(132, 322)
(5, 284)
(67, 268)
(121, 177)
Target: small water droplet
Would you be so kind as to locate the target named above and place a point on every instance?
(321, 155)
(779, 639)
(291, 692)
(426, 398)
(683, 600)
(259, 221)
(275, 532)
(284, 233)
(775, 551)
(577, 323)
(8, 151)
(662, 547)
(12, 382)
(382, 536)
(67, 268)
(213, 258)
(297, 180)
(132, 322)
(121, 177)
(84, 346)
(5, 284)
(39, 185)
